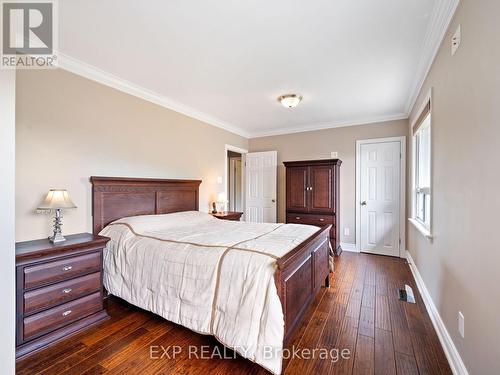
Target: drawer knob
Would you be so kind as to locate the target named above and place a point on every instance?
(67, 312)
(321, 219)
(67, 290)
(297, 218)
(67, 268)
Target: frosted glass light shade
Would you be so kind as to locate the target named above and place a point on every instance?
(56, 198)
(290, 100)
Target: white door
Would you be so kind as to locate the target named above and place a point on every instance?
(261, 171)
(380, 178)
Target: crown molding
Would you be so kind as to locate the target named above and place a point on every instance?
(95, 74)
(441, 17)
(330, 125)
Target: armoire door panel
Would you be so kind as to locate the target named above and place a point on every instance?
(296, 189)
(321, 182)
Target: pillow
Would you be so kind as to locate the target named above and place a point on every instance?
(159, 222)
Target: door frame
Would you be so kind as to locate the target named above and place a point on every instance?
(242, 151)
(402, 189)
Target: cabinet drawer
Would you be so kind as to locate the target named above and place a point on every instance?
(310, 219)
(61, 292)
(63, 269)
(59, 316)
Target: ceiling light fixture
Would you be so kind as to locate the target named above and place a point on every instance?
(290, 100)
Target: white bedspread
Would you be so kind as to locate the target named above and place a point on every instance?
(212, 276)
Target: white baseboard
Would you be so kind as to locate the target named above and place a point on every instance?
(456, 363)
(351, 247)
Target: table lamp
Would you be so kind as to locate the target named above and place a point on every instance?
(57, 199)
(221, 202)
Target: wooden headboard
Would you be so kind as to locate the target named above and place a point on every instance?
(117, 197)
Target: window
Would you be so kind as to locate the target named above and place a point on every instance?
(422, 172)
(421, 212)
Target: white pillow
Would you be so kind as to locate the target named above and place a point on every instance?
(159, 222)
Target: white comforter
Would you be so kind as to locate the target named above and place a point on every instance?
(212, 276)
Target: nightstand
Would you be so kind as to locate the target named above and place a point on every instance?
(228, 215)
(58, 289)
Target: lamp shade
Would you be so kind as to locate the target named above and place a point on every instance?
(56, 198)
(221, 197)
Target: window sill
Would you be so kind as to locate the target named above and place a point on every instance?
(423, 230)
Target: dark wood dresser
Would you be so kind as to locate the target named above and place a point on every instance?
(228, 215)
(58, 289)
(312, 195)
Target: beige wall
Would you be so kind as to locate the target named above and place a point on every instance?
(460, 266)
(69, 128)
(318, 145)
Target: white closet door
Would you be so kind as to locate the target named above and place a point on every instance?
(380, 179)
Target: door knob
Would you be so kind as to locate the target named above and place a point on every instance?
(363, 203)
(273, 200)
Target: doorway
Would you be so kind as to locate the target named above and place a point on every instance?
(234, 180)
(380, 196)
(234, 176)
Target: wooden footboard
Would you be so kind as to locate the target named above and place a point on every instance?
(300, 275)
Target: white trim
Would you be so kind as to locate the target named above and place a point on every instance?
(95, 74)
(402, 189)
(450, 350)
(421, 228)
(441, 17)
(425, 100)
(241, 151)
(7, 218)
(330, 125)
(427, 232)
(349, 247)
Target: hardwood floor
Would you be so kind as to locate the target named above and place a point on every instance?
(360, 312)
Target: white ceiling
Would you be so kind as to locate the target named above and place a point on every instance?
(226, 62)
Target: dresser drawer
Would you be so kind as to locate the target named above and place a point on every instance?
(63, 269)
(59, 316)
(310, 219)
(53, 295)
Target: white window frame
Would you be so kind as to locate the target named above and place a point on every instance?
(423, 227)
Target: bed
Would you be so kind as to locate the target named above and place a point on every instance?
(247, 284)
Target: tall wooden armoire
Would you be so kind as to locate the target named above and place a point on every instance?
(312, 195)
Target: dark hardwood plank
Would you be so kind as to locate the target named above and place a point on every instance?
(405, 364)
(371, 276)
(364, 362)
(385, 363)
(354, 308)
(424, 354)
(368, 296)
(382, 314)
(400, 331)
(331, 332)
(348, 336)
(367, 322)
(382, 284)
